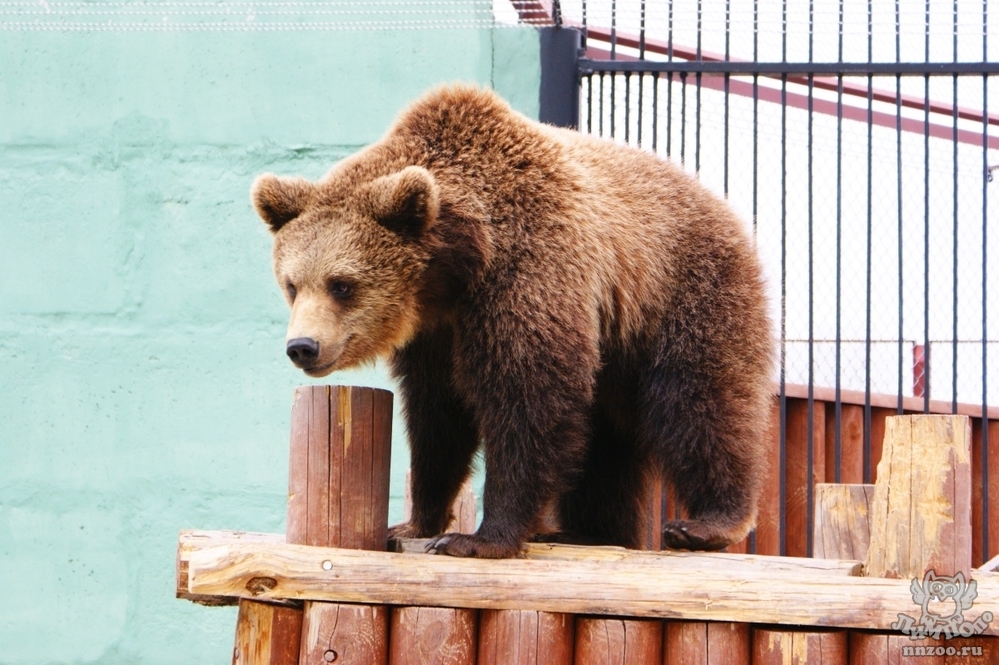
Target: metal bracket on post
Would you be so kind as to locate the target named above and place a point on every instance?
(559, 94)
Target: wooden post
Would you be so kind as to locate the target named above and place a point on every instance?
(436, 635)
(618, 641)
(433, 636)
(338, 487)
(707, 643)
(822, 647)
(525, 637)
(267, 634)
(921, 510)
(842, 521)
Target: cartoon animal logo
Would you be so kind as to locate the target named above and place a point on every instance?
(943, 600)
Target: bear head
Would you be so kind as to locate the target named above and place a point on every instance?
(349, 257)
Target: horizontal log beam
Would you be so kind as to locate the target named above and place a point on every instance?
(558, 578)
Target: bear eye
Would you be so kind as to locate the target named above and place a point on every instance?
(292, 291)
(340, 289)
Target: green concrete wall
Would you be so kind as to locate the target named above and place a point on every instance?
(144, 386)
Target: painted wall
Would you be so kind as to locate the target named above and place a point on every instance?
(144, 387)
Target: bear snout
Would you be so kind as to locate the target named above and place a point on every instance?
(303, 351)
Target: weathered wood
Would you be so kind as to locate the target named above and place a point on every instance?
(339, 467)
(780, 647)
(344, 634)
(191, 539)
(338, 497)
(433, 636)
(618, 641)
(267, 634)
(921, 510)
(983, 479)
(606, 581)
(881, 649)
(707, 643)
(525, 637)
(842, 521)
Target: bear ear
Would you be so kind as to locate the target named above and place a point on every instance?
(280, 200)
(405, 202)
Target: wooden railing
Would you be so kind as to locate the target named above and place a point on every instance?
(322, 593)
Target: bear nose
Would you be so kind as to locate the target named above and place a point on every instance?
(303, 351)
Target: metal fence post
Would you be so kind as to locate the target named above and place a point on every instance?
(559, 94)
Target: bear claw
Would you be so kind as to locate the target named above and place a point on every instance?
(465, 545)
(687, 535)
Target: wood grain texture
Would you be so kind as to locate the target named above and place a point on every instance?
(618, 641)
(525, 637)
(433, 636)
(851, 443)
(783, 647)
(842, 521)
(984, 492)
(707, 643)
(267, 634)
(800, 475)
(344, 634)
(921, 510)
(608, 581)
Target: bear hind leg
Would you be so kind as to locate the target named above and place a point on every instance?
(711, 447)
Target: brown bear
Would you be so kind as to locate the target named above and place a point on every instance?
(587, 312)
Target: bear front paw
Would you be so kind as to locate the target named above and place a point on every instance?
(464, 545)
(691, 535)
(407, 530)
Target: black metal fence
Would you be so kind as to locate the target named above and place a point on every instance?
(857, 140)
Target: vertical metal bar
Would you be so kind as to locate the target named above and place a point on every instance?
(641, 104)
(986, 551)
(928, 353)
(899, 218)
(728, 29)
(589, 103)
(838, 346)
(954, 321)
(870, 238)
(683, 117)
(613, 103)
(655, 111)
(809, 497)
(613, 32)
(627, 106)
(641, 33)
(600, 115)
(783, 291)
(697, 96)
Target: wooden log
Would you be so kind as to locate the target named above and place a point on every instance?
(338, 476)
(842, 523)
(191, 539)
(344, 634)
(433, 636)
(338, 490)
(707, 643)
(525, 637)
(267, 634)
(880, 649)
(618, 641)
(921, 510)
(777, 647)
(608, 581)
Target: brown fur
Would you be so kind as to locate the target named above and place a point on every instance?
(588, 312)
